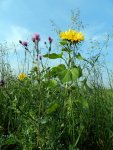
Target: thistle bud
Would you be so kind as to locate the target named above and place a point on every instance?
(50, 39)
(39, 56)
(24, 43)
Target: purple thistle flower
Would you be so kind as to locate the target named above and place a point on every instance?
(33, 39)
(50, 39)
(36, 37)
(39, 56)
(24, 43)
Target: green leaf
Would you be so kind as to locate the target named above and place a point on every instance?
(55, 70)
(66, 50)
(84, 103)
(76, 73)
(80, 71)
(63, 42)
(53, 56)
(53, 108)
(61, 67)
(79, 56)
(65, 75)
(70, 74)
(52, 83)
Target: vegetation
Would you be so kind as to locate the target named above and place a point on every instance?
(62, 107)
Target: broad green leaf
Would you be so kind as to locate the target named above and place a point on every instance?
(55, 70)
(67, 76)
(53, 56)
(76, 73)
(63, 42)
(70, 74)
(61, 67)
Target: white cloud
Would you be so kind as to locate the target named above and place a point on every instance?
(14, 34)
(17, 33)
(12, 37)
(95, 32)
(99, 37)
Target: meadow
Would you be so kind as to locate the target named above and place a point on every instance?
(62, 107)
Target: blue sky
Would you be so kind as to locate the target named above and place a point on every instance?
(26, 16)
(19, 19)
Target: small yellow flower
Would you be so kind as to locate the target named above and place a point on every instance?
(22, 76)
(72, 35)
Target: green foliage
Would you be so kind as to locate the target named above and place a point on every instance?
(53, 56)
(70, 75)
(57, 107)
(52, 108)
(78, 56)
(63, 42)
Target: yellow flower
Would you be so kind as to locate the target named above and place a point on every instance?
(22, 76)
(72, 35)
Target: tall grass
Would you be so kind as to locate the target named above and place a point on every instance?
(53, 110)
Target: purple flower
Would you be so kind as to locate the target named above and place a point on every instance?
(36, 37)
(50, 39)
(33, 39)
(39, 56)
(2, 82)
(24, 43)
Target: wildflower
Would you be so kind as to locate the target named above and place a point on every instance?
(50, 39)
(33, 39)
(22, 76)
(72, 35)
(36, 37)
(2, 82)
(24, 43)
(39, 56)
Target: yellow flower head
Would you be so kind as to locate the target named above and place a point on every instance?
(72, 35)
(22, 76)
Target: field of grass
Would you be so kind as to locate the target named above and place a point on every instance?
(62, 107)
